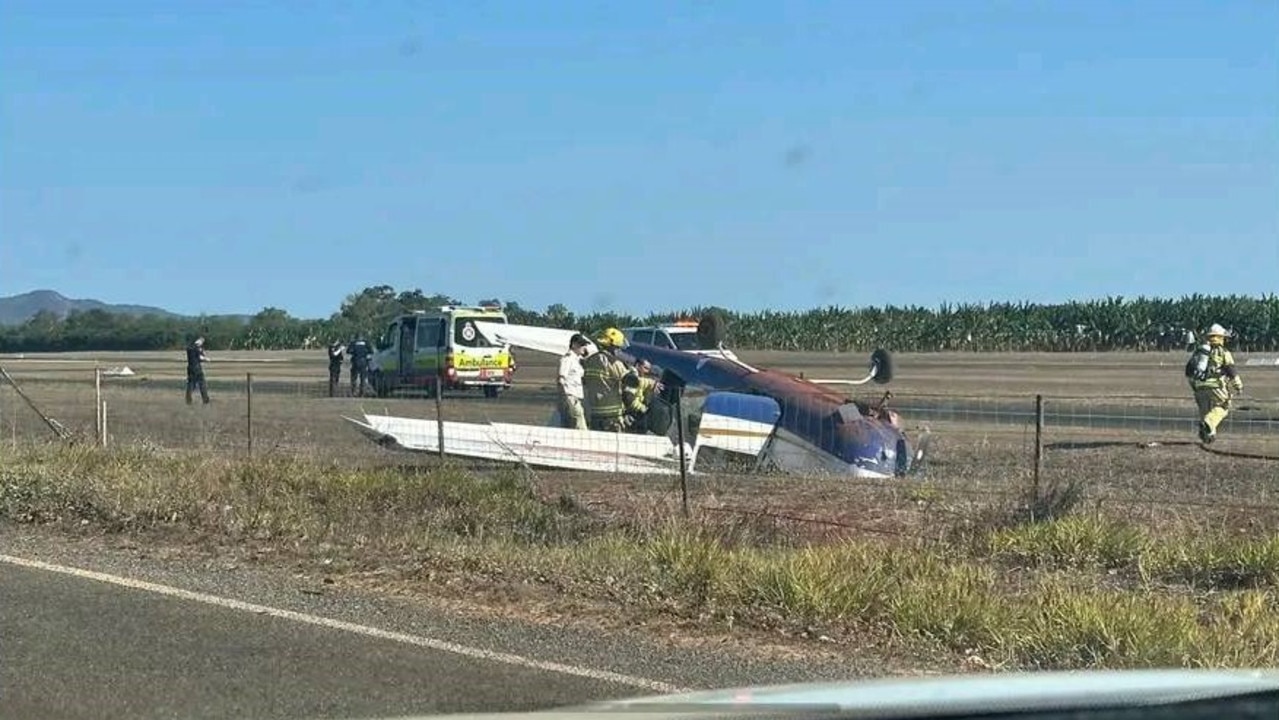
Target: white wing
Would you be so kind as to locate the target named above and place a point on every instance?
(589, 450)
(531, 337)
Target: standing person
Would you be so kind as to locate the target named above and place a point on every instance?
(570, 382)
(602, 384)
(360, 353)
(1209, 370)
(336, 348)
(195, 370)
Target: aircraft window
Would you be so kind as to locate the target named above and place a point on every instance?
(429, 335)
(684, 341)
(466, 334)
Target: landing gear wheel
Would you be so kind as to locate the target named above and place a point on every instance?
(710, 331)
(883, 362)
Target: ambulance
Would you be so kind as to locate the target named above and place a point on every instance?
(440, 348)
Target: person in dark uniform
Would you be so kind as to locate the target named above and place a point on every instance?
(336, 348)
(360, 353)
(195, 370)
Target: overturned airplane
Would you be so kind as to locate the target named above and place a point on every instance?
(766, 419)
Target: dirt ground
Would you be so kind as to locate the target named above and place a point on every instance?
(973, 465)
(1148, 376)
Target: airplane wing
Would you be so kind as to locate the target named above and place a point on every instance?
(590, 450)
(541, 339)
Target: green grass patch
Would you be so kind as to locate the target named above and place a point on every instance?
(1077, 541)
(1218, 562)
(1079, 591)
(279, 498)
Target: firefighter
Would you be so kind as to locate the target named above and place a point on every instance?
(638, 388)
(336, 348)
(1211, 374)
(602, 376)
(648, 384)
(359, 352)
(195, 370)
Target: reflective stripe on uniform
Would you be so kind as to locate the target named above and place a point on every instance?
(602, 385)
(1219, 359)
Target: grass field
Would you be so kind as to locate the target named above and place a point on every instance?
(1157, 540)
(295, 413)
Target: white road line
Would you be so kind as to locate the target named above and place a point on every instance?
(431, 643)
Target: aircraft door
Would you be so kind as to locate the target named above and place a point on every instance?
(385, 358)
(406, 344)
(431, 343)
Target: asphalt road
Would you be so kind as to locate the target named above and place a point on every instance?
(79, 648)
(196, 635)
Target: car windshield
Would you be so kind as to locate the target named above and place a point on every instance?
(685, 340)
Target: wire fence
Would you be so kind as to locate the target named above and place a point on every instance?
(1129, 454)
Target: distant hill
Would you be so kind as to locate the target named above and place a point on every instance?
(17, 309)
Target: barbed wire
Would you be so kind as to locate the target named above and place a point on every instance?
(996, 455)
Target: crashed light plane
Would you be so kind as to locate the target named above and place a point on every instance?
(767, 418)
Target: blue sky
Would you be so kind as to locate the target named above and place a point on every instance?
(225, 156)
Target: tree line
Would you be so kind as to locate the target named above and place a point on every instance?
(1139, 324)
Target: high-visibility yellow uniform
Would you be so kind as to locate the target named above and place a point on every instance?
(638, 393)
(1211, 374)
(602, 391)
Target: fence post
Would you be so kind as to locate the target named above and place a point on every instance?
(1039, 445)
(99, 419)
(683, 461)
(439, 399)
(248, 412)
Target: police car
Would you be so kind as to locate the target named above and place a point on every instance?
(680, 335)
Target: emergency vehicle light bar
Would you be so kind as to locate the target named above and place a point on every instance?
(471, 308)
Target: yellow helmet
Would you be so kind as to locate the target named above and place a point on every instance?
(610, 338)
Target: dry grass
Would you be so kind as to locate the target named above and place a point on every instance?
(1161, 554)
(973, 462)
(1088, 590)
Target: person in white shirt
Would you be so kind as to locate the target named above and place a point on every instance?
(570, 382)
